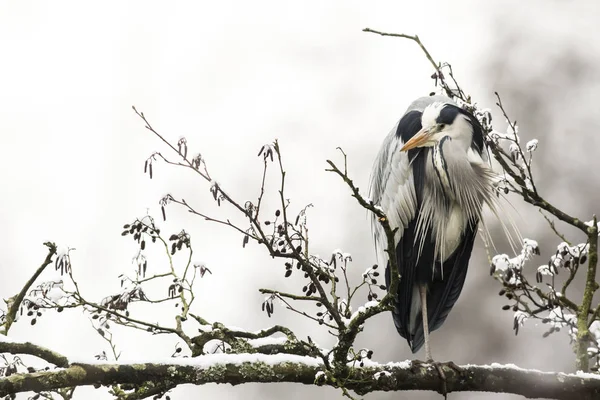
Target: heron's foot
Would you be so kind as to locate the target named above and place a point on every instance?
(415, 365)
(439, 367)
(459, 370)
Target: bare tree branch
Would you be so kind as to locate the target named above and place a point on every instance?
(270, 369)
(32, 349)
(15, 302)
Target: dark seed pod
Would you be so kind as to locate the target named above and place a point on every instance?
(288, 273)
(506, 307)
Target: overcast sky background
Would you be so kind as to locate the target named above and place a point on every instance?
(232, 76)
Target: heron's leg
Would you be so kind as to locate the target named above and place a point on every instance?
(423, 295)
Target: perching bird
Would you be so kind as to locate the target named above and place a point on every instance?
(431, 178)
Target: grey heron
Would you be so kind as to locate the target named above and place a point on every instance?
(431, 178)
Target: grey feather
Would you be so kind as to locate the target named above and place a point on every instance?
(422, 102)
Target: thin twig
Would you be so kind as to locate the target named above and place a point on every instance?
(416, 39)
(15, 302)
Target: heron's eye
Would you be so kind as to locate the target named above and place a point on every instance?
(442, 126)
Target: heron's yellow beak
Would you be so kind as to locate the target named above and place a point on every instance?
(418, 140)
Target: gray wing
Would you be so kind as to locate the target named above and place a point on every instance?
(392, 188)
(392, 182)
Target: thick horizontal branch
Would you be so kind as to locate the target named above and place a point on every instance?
(238, 369)
(34, 350)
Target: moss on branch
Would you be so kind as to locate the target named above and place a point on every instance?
(391, 377)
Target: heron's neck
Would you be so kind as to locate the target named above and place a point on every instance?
(440, 165)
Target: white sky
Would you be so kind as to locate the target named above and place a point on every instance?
(230, 76)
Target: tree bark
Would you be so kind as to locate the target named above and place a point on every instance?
(233, 370)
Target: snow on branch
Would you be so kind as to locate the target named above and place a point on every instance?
(239, 369)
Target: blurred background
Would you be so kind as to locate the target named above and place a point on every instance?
(232, 76)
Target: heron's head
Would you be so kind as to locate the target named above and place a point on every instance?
(438, 121)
